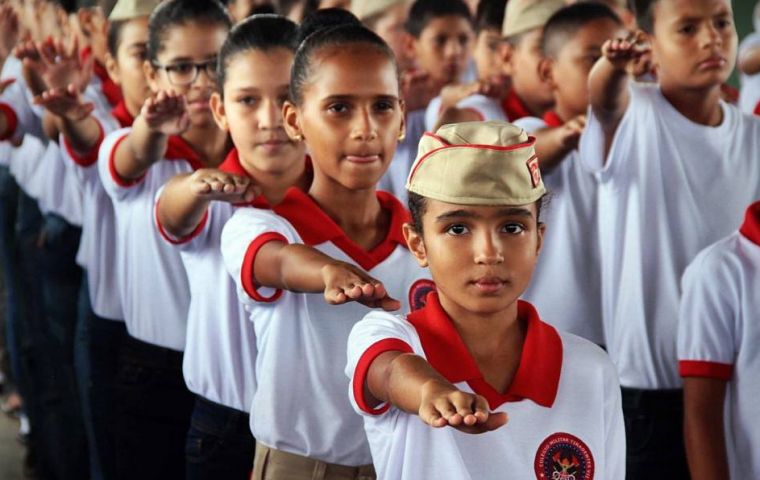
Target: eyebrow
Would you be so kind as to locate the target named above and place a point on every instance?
(344, 97)
(190, 60)
(504, 212)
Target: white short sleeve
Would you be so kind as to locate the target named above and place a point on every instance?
(531, 124)
(116, 187)
(707, 344)
(378, 332)
(243, 235)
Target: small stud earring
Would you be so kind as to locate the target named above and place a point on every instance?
(298, 137)
(402, 135)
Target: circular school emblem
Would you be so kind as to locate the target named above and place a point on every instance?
(562, 456)
(418, 293)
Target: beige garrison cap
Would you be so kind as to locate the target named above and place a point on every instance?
(129, 9)
(364, 9)
(524, 15)
(477, 163)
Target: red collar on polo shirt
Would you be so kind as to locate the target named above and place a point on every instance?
(122, 115)
(537, 376)
(552, 119)
(751, 226)
(179, 149)
(316, 227)
(111, 91)
(232, 165)
(514, 107)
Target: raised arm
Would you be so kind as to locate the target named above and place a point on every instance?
(553, 144)
(186, 197)
(300, 268)
(162, 115)
(749, 61)
(411, 384)
(73, 117)
(704, 428)
(609, 78)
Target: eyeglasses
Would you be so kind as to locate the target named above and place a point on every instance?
(185, 73)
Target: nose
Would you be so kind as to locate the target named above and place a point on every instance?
(204, 78)
(453, 49)
(269, 115)
(711, 36)
(488, 249)
(364, 127)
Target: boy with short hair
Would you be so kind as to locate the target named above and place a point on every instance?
(474, 351)
(718, 332)
(572, 42)
(676, 165)
(528, 95)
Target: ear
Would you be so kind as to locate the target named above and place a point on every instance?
(402, 107)
(416, 244)
(507, 50)
(290, 117)
(546, 72)
(217, 109)
(150, 75)
(113, 69)
(410, 46)
(540, 232)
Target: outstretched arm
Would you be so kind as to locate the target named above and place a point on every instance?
(408, 382)
(73, 116)
(163, 114)
(186, 197)
(553, 144)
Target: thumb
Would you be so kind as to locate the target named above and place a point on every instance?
(495, 420)
(389, 304)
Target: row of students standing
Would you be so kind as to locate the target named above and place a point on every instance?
(170, 253)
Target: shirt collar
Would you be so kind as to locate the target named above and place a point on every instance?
(537, 376)
(552, 119)
(514, 107)
(751, 226)
(178, 149)
(122, 115)
(316, 227)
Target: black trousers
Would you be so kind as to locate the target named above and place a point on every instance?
(153, 409)
(654, 434)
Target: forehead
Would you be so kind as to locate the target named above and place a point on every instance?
(353, 70)
(437, 208)
(668, 11)
(134, 31)
(447, 25)
(592, 35)
(193, 40)
(259, 68)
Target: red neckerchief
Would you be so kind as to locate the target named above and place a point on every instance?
(552, 119)
(751, 226)
(514, 107)
(122, 115)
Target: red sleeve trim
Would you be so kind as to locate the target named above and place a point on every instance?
(246, 273)
(180, 240)
(118, 179)
(698, 368)
(89, 158)
(362, 369)
(12, 120)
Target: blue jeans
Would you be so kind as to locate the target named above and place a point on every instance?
(48, 282)
(153, 412)
(8, 255)
(219, 443)
(654, 434)
(96, 353)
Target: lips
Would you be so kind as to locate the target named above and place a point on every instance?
(363, 159)
(489, 284)
(715, 62)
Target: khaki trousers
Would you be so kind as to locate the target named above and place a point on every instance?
(271, 464)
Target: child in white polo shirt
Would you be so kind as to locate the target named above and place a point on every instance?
(676, 166)
(345, 105)
(475, 352)
(718, 335)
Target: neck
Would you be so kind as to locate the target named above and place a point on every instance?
(274, 185)
(564, 112)
(701, 106)
(211, 143)
(488, 335)
(356, 212)
(132, 108)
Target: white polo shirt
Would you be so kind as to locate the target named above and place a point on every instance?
(300, 405)
(570, 253)
(220, 352)
(564, 406)
(155, 292)
(719, 334)
(508, 109)
(97, 246)
(670, 188)
(14, 102)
